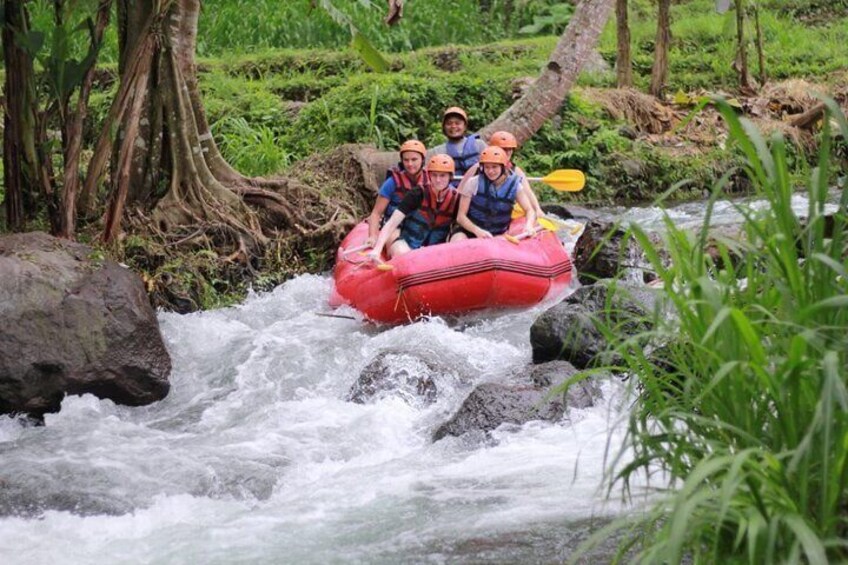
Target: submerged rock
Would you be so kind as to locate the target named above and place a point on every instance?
(401, 374)
(72, 323)
(526, 397)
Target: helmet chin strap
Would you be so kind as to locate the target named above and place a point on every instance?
(503, 173)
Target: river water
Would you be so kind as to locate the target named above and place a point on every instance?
(256, 457)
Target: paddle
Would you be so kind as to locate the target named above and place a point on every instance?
(355, 249)
(561, 180)
(523, 235)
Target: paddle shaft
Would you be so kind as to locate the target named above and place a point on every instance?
(561, 180)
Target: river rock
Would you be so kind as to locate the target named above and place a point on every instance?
(73, 323)
(570, 329)
(598, 253)
(402, 374)
(525, 398)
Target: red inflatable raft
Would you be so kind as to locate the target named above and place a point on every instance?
(451, 278)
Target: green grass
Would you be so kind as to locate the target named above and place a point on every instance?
(703, 44)
(228, 27)
(747, 412)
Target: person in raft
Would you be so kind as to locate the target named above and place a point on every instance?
(400, 179)
(486, 200)
(509, 144)
(464, 149)
(425, 214)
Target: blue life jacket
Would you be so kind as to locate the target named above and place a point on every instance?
(430, 223)
(468, 156)
(403, 184)
(491, 207)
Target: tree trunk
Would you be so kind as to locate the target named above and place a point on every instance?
(659, 72)
(22, 172)
(741, 63)
(165, 159)
(542, 100)
(72, 134)
(623, 66)
(761, 56)
(545, 96)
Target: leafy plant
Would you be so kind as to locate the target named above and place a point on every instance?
(743, 404)
(553, 21)
(253, 149)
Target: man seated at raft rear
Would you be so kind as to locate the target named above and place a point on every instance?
(486, 200)
(464, 149)
(400, 179)
(425, 214)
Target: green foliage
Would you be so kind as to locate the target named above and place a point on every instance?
(553, 21)
(743, 402)
(233, 26)
(703, 43)
(72, 40)
(254, 150)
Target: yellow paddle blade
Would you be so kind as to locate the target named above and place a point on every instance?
(548, 224)
(565, 180)
(517, 211)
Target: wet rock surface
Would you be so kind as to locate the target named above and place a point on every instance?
(401, 374)
(572, 329)
(523, 398)
(73, 323)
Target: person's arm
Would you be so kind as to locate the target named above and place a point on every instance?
(524, 200)
(394, 221)
(411, 202)
(525, 187)
(465, 222)
(472, 171)
(375, 217)
(386, 190)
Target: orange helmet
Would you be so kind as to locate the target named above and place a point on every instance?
(494, 155)
(441, 163)
(455, 111)
(504, 140)
(413, 145)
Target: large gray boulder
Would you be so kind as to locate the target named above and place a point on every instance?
(526, 397)
(572, 329)
(73, 323)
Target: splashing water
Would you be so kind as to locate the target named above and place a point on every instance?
(255, 456)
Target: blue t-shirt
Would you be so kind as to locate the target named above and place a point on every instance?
(387, 188)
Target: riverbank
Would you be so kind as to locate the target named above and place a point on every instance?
(285, 112)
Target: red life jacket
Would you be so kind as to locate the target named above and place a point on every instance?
(430, 223)
(403, 184)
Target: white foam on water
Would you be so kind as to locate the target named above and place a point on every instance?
(256, 456)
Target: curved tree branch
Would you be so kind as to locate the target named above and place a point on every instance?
(545, 96)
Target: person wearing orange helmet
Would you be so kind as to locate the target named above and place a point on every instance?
(486, 200)
(424, 215)
(506, 141)
(464, 149)
(400, 179)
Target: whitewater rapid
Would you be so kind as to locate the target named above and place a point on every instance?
(255, 456)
